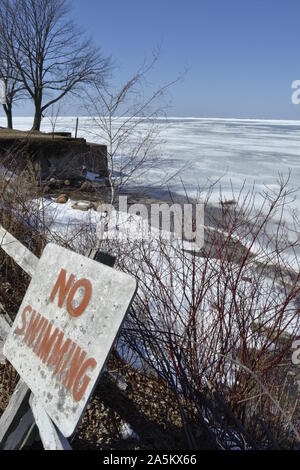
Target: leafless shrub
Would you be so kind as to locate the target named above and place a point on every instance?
(125, 119)
(219, 325)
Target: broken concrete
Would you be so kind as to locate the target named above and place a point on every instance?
(47, 157)
(84, 206)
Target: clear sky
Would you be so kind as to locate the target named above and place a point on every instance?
(242, 55)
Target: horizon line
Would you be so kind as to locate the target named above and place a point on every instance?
(74, 116)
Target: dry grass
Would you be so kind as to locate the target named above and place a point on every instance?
(7, 134)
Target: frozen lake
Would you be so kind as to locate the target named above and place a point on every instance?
(240, 152)
(236, 150)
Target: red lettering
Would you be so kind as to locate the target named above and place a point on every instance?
(38, 341)
(82, 284)
(35, 324)
(47, 343)
(59, 351)
(75, 366)
(63, 287)
(83, 379)
(21, 331)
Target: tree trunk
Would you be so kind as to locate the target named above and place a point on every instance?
(38, 114)
(37, 120)
(8, 112)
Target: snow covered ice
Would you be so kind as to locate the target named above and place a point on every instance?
(236, 150)
(196, 151)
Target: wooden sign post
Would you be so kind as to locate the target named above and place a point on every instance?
(63, 334)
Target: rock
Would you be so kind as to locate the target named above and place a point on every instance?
(87, 186)
(53, 183)
(62, 199)
(83, 206)
(97, 205)
(230, 203)
(67, 183)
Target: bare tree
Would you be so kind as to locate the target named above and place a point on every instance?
(53, 115)
(52, 55)
(125, 120)
(13, 87)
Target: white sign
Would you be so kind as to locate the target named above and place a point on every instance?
(65, 329)
(2, 92)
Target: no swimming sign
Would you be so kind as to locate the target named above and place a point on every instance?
(65, 329)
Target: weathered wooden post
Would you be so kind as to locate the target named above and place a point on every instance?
(76, 129)
(61, 339)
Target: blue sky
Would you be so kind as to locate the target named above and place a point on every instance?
(242, 55)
